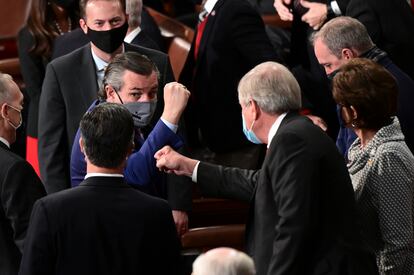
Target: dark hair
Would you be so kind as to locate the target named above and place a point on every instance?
(131, 61)
(107, 134)
(370, 89)
(83, 3)
(41, 25)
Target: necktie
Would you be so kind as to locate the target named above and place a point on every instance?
(412, 4)
(202, 17)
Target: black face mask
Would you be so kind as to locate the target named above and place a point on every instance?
(332, 75)
(108, 41)
(66, 4)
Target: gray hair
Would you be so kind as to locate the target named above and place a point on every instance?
(5, 80)
(272, 86)
(344, 32)
(134, 10)
(131, 61)
(223, 261)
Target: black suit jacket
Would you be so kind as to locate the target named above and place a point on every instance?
(20, 187)
(302, 216)
(69, 88)
(233, 42)
(101, 227)
(390, 24)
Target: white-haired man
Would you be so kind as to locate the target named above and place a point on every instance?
(223, 261)
(302, 219)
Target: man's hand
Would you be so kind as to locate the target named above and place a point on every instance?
(181, 221)
(318, 122)
(316, 15)
(282, 9)
(176, 97)
(170, 161)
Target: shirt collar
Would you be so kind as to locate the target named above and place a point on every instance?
(130, 36)
(99, 63)
(90, 175)
(274, 128)
(209, 5)
(5, 142)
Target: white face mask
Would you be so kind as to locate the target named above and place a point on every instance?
(10, 122)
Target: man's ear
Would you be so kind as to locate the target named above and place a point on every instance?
(110, 94)
(82, 24)
(347, 54)
(255, 109)
(4, 112)
(81, 145)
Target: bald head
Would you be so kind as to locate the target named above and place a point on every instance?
(223, 261)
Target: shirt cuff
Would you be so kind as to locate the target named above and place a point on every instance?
(194, 175)
(335, 8)
(171, 126)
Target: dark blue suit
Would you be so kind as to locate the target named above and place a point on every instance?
(140, 171)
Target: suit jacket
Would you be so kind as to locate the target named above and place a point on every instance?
(390, 24)
(302, 215)
(20, 187)
(140, 171)
(33, 71)
(233, 42)
(69, 88)
(76, 39)
(101, 227)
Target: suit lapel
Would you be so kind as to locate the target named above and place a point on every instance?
(211, 20)
(87, 84)
(4, 146)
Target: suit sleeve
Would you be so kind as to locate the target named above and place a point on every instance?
(290, 172)
(224, 182)
(38, 257)
(77, 163)
(53, 155)
(20, 189)
(141, 164)
(33, 71)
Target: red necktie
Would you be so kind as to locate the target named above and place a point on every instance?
(200, 29)
(412, 4)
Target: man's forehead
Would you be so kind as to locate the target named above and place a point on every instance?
(133, 78)
(104, 8)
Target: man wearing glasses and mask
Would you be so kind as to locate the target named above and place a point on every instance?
(20, 187)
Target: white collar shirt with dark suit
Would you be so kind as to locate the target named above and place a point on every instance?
(101, 227)
(302, 214)
(20, 187)
(69, 88)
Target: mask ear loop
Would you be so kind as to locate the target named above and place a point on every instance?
(118, 95)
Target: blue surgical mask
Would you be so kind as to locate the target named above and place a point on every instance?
(249, 133)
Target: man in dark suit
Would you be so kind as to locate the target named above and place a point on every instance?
(302, 215)
(71, 85)
(137, 33)
(20, 187)
(103, 226)
(229, 41)
(344, 38)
